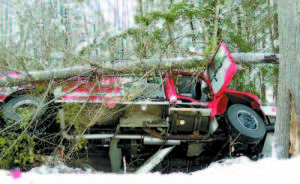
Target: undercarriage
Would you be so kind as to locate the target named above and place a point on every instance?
(158, 138)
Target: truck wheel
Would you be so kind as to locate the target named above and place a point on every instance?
(245, 125)
(24, 107)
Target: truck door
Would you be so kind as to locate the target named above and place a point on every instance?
(220, 69)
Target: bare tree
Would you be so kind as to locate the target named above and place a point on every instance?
(289, 77)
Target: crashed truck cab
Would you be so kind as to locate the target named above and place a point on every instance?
(184, 115)
(207, 93)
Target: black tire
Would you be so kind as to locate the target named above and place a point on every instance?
(245, 125)
(42, 123)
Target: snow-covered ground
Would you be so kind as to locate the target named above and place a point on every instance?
(238, 170)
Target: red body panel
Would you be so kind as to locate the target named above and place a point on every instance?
(170, 90)
(219, 105)
(244, 96)
(187, 99)
(110, 89)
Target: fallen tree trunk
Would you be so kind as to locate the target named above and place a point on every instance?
(128, 66)
(255, 58)
(13, 79)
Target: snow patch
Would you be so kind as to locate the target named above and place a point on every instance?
(238, 170)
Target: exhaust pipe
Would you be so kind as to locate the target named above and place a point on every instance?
(154, 160)
(147, 140)
(156, 141)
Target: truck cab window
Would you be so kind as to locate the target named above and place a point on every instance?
(190, 86)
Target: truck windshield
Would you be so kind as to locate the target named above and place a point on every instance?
(216, 63)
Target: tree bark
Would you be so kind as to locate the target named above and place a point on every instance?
(7, 79)
(289, 76)
(125, 66)
(254, 58)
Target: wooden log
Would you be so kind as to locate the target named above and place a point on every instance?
(12, 79)
(255, 58)
(128, 66)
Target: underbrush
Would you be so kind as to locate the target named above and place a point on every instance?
(18, 150)
(21, 147)
(26, 151)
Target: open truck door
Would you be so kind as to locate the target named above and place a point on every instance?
(221, 69)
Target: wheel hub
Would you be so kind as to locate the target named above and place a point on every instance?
(247, 120)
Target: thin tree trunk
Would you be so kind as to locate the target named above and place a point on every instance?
(65, 22)
(264, 40)
(275, 96)
(171, 40)
(170, 33)
(270, 27)
(143, 42)
(263, 87)
(192, 29)
(216, 23)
